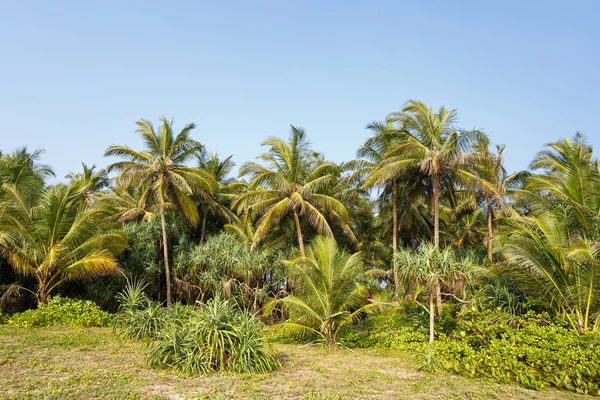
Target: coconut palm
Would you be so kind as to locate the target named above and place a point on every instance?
(329, 295)
(57, 238)
(224, 191)
(161, 171)
(429, 269)
(550, 260)
(487, 177)
(22, 169)
(368, 168)
(293, 183)
(429, 140)
(95, 181)
(554, 252)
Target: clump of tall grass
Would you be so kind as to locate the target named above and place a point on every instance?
(215, 337)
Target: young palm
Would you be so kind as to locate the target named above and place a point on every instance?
(58, 238)
(293, 183)
(160, 169)
(329, 296)
(428, 139)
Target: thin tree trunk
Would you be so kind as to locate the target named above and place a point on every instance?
(438, 297)
(203, 228)
(431, 318)
(166, 253)
(299, 233)
(436, 211)
(394, 235)
(490, 229)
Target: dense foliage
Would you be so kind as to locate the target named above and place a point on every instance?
(214, 337)
(63, 311)
(425, 222)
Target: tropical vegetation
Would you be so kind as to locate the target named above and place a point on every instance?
(423, 243)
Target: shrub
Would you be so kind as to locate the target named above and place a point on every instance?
(195, 340)
(63, 311)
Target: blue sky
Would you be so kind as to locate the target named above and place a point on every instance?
(76, 75)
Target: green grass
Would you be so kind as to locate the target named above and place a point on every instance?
(60, 363)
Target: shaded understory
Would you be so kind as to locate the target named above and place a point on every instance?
(61, 362)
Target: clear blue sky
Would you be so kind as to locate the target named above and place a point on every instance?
(76, 75)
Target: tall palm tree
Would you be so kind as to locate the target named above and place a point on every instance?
(428, 139)
(58, 238)
(293, 183)
(487, 177)
(160, 169)
(368, 169)
(224, 191)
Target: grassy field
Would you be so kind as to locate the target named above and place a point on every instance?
(67, 363)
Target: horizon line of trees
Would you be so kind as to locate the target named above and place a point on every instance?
(174, 216)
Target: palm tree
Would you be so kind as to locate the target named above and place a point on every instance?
(294, 182)
(329, 296)
(550, 260)
(58, 238)
(554, 251)
(225, 189)
(487, 177)
(428, 139)
(22, 169)
(433, 268)
(160, 169)
(95, 181)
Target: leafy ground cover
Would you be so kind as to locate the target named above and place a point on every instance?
(82, 363)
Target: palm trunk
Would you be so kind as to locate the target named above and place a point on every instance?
(438, 298)
(436, 211)
(203, 228)
(394, 235)
(41, 295)
(166, 254)
(490, 229)
(431, 317)
(299, 233)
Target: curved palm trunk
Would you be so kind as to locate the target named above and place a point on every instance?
(299, 233)
(490, 238)
(166, 253)
(436, 210)
(431, 317)
(394, 235)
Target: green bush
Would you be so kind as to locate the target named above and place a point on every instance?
(63, 311)
(3, 318)
(192, 340)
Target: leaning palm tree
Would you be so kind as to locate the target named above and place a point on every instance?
(293, 183)
(329, 295)
(160, 169)
(58, 238)
(429, 140)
